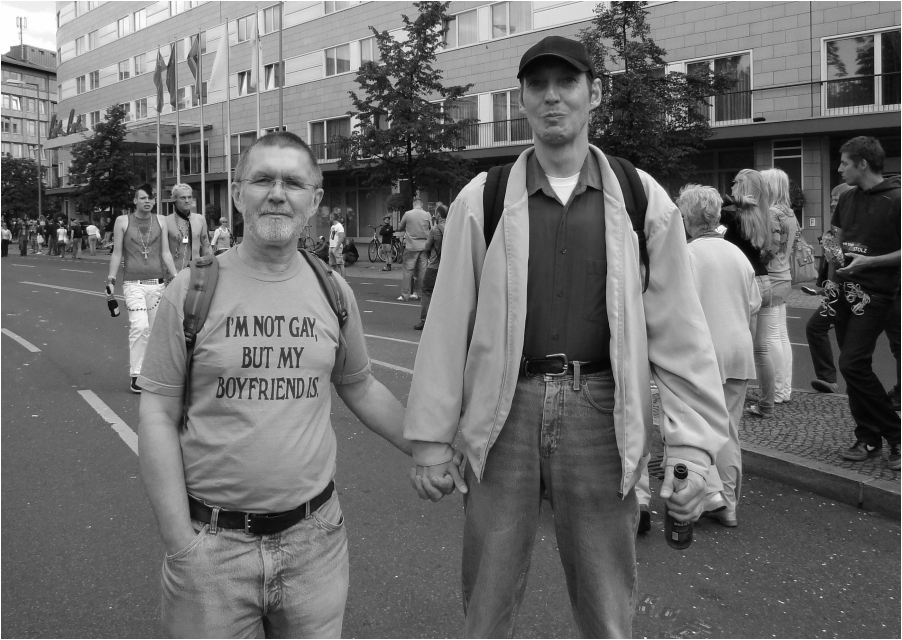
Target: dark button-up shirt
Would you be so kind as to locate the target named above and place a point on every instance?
(565, 300)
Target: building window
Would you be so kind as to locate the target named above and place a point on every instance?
(31, 105)
(338, 60)
(190, 156)
(271, 76)
(140, 108)
(322, 134)
(736, 105)
(94, 80)
(369, 50)
(244, 83)
(6, 101)
(186, 97)
(244, 28)
(509, 18)
(44, 130)
(332, 7)
(15, 104)
(124, 26)
(140, 63)
(124, 70)
(16, 125)
(80, 47)
(42, 107)
(466, 108)
(140, 19)
(272, 20)
(7, 125)
(80, 85)
(240, 142)
(787, 155)
(127, 107)
(92, 40)
(863, 73)
(176, 8)
(93, 118)
(32, 128)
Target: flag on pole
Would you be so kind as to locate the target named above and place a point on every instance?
(170, 78)
(158, 80)
(256, 56)
(219, 76)
(194, 63)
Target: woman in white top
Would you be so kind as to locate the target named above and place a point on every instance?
(62, 239)
(725, 282)
(778, 269)
(222, 238)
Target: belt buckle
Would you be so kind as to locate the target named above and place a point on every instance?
(565, 364)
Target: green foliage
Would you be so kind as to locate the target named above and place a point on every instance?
(395, 202)
(653, 118)
(19, 187)
(403, 131)
(796, 196)
(102, 168)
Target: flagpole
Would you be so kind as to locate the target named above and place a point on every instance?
(200, 82)
(281, 75)
(178, 124)
(159, 167)
(228, 87)
(259, 64)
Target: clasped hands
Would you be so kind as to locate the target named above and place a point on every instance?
(434, 482)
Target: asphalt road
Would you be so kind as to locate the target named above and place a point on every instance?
(82, 556)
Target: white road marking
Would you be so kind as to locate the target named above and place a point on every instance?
(125, 432)
(793, 317)
(392, 285)
(400, 304)
(799, 344)
(76, 271)
(391, 366)
(364, 283)
(25, 343)
(367, 335)
(53, 286)
(30, 266)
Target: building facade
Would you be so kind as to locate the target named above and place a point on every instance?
(29, 99)
(809, 76)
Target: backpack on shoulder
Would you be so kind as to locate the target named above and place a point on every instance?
(630, 184)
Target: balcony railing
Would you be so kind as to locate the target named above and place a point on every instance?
(864, 94)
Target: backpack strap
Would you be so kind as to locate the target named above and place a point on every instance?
(493, 199)
(636, 204)
(329, 284)
(201, 288)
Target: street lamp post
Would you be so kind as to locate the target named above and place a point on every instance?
(37, 89)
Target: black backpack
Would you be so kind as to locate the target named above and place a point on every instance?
(633, 195)
(202, 287)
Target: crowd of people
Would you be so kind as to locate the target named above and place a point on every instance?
(51, 236)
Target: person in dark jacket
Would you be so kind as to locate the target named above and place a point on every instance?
(862, 289)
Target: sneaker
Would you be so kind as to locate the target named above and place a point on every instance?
(386, 268)
(861, 451)
(133, 387)
(756, 411)
(893, 460)
(644, 519)
(402, 298)
(822, 386)
(419, 325)
(414, 296)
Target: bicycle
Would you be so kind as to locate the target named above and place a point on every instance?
(305, 241)
(375, 246)
(397, 249)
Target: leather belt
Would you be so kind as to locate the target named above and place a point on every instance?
(257, 523)
(558, 365)
(145, 281)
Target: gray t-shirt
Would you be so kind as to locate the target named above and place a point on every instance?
(415, 223)
(259, 437)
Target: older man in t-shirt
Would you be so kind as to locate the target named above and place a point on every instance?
(415, 224)
(244, 491)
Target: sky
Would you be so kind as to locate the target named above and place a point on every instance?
(41, 17)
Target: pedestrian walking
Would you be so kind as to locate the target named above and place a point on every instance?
(108, 227)
(140, 240)
(93, 235)
(76, 234)
(434, 252)
(244, 492)
(222, 237)
(62, 239)
(6, 237)
(22, 237)
(336, 243)
(52, 246)
(725, 282)
(415, 224)
(863, 283)
(386, 235)
(751, 228)
(186, 231)
(780, 275)
(532, 338)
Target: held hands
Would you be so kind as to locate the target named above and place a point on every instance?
(438, 480)
(685, 501)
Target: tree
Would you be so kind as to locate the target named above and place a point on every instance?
(653, 118)
(405, 129)
(102, 168)
(19, 187)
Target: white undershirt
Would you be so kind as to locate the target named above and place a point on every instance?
(563, 187)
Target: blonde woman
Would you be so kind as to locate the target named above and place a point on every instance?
(750, 228)
(778, 269)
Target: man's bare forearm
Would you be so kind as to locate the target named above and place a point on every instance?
(377, 408)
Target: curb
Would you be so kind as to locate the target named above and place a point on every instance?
(840, 485)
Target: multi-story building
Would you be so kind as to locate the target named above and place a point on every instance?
(29, 100)
(809, 76)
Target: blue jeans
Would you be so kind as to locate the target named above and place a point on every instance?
(414, 268)
(228, 584)
(562, 439)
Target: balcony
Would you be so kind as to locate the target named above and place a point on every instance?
(865, 94)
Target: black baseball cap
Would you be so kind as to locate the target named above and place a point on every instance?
(570, 51)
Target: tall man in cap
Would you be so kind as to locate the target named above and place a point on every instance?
(187, 231)
(540, 349)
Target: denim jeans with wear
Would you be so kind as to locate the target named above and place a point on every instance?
(414, 267)
(559, 434)
(229, 584)
(764, 366)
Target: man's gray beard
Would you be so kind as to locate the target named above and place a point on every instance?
(275, 228)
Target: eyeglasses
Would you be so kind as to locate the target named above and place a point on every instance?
(264, 184)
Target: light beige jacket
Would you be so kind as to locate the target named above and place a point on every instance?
(467, 363)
